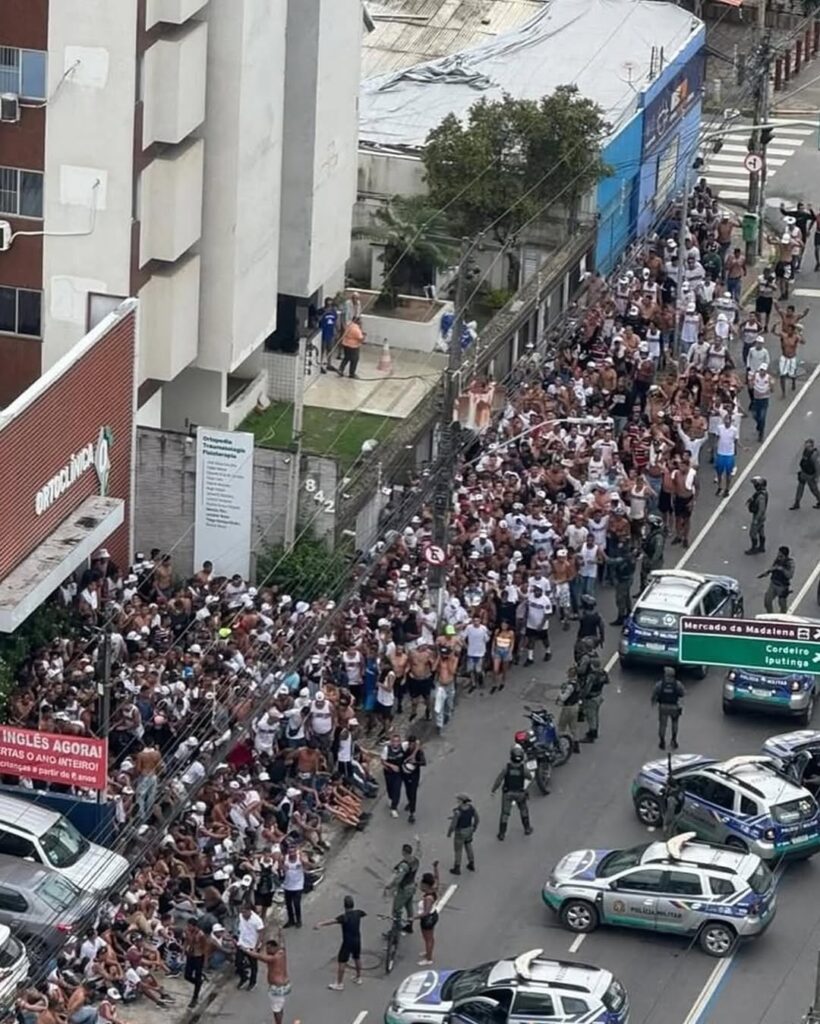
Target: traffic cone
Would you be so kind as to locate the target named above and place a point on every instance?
(385, 364)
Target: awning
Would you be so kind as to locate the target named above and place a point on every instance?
(26, 587)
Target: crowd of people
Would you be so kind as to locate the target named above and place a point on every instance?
(594, 466)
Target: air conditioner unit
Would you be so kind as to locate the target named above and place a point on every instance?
(5, 236)
(10, 107)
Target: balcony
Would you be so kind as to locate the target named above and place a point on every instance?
(172, 12)
(174, 87)
(171, 212)
(169, 318)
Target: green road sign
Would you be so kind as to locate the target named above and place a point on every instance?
(763, 644)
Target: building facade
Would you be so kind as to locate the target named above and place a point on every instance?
(192, 153)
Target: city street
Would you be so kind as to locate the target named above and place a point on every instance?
(498, 911)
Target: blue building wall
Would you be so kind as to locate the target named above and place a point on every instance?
(671, 127)
(617, 196)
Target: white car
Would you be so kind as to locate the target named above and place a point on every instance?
(14, 966)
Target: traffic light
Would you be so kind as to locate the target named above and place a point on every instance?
(766, 136)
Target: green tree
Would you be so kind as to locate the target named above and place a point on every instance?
(308, 571)
(511, 161)
(415, 246)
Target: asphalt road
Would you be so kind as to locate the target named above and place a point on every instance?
(498, 911)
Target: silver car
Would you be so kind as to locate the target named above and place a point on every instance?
(680, 886)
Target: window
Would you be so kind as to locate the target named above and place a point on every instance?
(713, 599)
(573, 1006)
(684, 883)
(721, 886)
(21, 192)
(23, 72)
(479, 1011)
(63, 844)
(748, 806)
(642, 881)
(712, 790)
(537, 1005)
(58, 892)
(17, 846)
(20, 311)
(13, 901)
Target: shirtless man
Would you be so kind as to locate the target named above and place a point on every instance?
(446, 666)
(276, 958)
(164, 576)
(148, 763)
(420, 680)
(791, 335)
(399, 660)
(683, 483)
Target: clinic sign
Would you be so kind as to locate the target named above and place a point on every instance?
(224, 500)
(80, 761)
(95, 455)
(757, 644)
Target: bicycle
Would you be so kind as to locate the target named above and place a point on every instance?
(391, 940)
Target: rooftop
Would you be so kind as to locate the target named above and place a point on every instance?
(604, 47)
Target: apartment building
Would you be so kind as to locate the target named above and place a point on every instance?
(198, 154)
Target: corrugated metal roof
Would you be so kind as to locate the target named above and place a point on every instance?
(408, 32)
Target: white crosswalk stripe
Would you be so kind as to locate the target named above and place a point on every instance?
(725, 170)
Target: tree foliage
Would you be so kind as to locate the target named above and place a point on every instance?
(309, 571)
(411, 231)
(512, 160)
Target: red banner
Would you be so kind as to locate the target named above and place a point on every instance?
(54, 757)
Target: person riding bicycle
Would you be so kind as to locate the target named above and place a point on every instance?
(403, 885)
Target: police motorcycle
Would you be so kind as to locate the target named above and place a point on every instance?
(542, 745)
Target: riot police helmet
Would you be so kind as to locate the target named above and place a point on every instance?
(758, 482)
(517, 753)
(654, 520)
(588, 602)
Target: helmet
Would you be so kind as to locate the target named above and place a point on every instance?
(588, 601)
(517, 753)
(758, 481)
(654, 520)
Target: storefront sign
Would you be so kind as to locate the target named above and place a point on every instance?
(94, 454)
(54, 757)
(664, 112)
(224, 500)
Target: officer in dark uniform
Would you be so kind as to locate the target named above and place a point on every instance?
(672, 797)
(463, 823)
(757, 504)
(652, 548)
(595, 680)
(590, 627)
(403, 885)
(780, 580)
(513, 780)
(668, 694)
(622, 567)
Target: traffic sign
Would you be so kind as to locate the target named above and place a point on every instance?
(434, 555)
(753, 163)
(764, 644)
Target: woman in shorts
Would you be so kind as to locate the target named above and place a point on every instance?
(503, 649)
(427, 913)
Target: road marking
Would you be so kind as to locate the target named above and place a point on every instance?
(445, 899)
(359, 1019)
(710, 522)
(801, 593)
(811, 293)
(708, 990)
(576, 943)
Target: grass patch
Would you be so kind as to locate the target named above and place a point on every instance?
(325, 431)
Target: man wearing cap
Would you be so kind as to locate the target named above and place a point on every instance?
(464, 821)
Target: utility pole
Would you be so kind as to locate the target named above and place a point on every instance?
(104, 693)
(762, 57)
(813, 1016)
(294, 476)
(447, 428)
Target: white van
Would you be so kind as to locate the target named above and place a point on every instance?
(46, 837)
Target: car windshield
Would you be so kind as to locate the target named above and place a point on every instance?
(646, 618)
(462, 984)
(63, 845)
(620, 860)
(761, 879)
(10, 953)
(58, 893)
(795, 810)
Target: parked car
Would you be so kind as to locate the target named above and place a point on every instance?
(650, 633)
(47, 837)
(41, 906)
(14, 966)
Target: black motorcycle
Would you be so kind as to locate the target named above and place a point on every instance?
(543, 746)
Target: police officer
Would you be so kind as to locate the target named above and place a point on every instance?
(757, 504)
(668, 694)
(463, 823)
(652, 548)
(672, 796)
(403, 885)
(622, 567)
(594, 682)
(513, 780)
(570, 700)
(590, 627)
(780, 578)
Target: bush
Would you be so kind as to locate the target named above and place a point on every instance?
(311, 570)
(40, 628)
(497, 298)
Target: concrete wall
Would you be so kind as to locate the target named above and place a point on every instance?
(319, 162)
(243, 170)
(89, 138)
(164, 501)
(406, 334)
(383, 175)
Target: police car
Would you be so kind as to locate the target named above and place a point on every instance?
(798, 754)
(513, 991)
(688, 888)
(788, 693)
(650, 633)
(747, 802)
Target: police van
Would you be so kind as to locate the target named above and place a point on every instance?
(784, 693)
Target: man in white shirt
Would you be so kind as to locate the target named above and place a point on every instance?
(761, 388)
(725, 454)
(476, 636)
(538, 611)
(249, 931)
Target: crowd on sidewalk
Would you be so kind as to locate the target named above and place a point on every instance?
(594, 466)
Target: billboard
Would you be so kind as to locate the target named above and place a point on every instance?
(676, 98)
(54, 757)
(224, 500)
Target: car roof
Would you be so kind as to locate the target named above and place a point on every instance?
(682, 850)
(531, 970)
(17, 871)
(26, 816)
(676, 589)
(757, 774)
